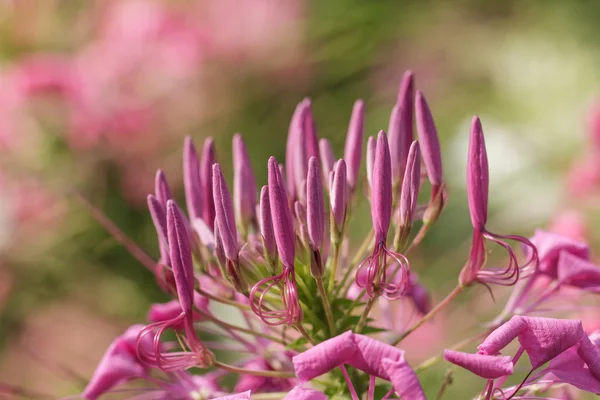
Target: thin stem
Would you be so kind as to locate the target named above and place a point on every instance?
(223, 300)
(349, 383)
(334, 266)
(255, 372)
(326, 305)
(363, 318)
(457, 290)
(445, 384)
(305, 334)
(355, 260)
(419, 237)
(225, 325)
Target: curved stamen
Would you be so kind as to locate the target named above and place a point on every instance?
(377, 281)
(290, 312)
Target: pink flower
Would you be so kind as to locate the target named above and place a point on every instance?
(364, 353)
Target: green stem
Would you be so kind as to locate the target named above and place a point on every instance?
(225, 325)
(419, 237)
(355, 260)
(363, 318)
(457, 290)
(305, 334)
(255, 372)
(326, 305)
(334, 267)
(224, 300)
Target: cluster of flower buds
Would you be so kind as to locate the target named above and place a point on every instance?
(266, 258)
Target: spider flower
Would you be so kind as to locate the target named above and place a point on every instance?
(195, 354)
(290, 312)
(225, 224)
(354, 140)
(191, 180)
(244, 184)
(477, 191)
(574, 357)
(432, 157)
(363, 353)
(315, 216)
(378, 280)
(401, 127)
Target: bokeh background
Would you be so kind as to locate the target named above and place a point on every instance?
(95, 95)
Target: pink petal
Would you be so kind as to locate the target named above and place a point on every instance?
(403, 378)
(300, 393)
(324, 357)
(488, 367)
(542, 338)
(550, 245)
(575, 271)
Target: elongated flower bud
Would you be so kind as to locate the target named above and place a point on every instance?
(381, 197)
(314, 205)
(281, 215)
(354, 138)
(310, 132)
(371, 144)
(401, 127)
(181, 257)
(477, 176)
(410, 185)
(219, 250)
(338, 199)
(161, 188)
(428, 140)
(208, 159)
(159, 218)
(294, 140)
(327, 158)
(244, 184)
(266, 224)
(224, 214)
(191, 180)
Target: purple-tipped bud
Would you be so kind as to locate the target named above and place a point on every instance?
(354, 139)
(410, 185)
(180, 254)
(159, 218)
(281, 216)
(339, 196)
(244, 184)
(381, 194)
(428, 139)
(300, 168)
(191, 179)
(161, 188)
(310, 132)
(371, 144)
(327, 158)
(208, 159)
(294, 141)
(401, 126)
(224, 214)
(300, 212)
(266, 223)
(477, 176)
(314, 205)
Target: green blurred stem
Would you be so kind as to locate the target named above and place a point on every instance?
(419, 237)
(255, 372)
(357, 257)
(225, 325)
(334, 266)
(224, 300)
(363, 318)
(326, 305)
(305, 334)
(457, 290)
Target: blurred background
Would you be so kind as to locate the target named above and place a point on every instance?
(95, 95)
